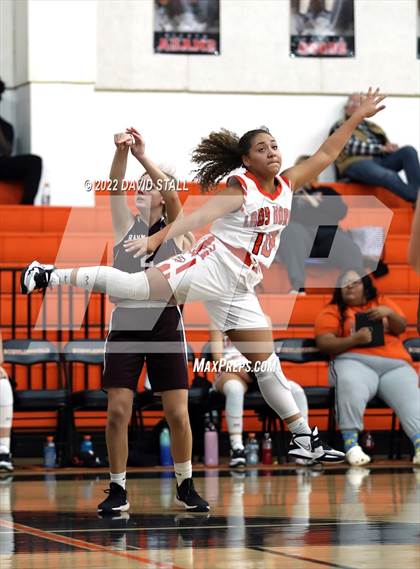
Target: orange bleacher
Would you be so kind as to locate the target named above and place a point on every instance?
(83, 235)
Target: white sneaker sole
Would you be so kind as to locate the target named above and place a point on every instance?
(182, 504)
(124, 508)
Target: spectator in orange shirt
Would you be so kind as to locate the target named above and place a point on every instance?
(359, 371)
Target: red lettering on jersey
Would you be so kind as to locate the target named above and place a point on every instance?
(267, 215)
(260, 217)
(286, 216)
(254, 219)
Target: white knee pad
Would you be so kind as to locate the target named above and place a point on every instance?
(300, 398)
(6, 404)
(234, 391)
(275, 387)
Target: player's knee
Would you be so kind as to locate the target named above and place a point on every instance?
(177, 418)
(270, 369)
(119, 414)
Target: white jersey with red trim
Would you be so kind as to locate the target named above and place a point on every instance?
(256, 227)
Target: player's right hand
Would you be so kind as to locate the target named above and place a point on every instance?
(123, 140)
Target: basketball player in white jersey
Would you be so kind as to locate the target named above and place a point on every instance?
(223, 268)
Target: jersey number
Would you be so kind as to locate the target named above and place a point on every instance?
(264, 243)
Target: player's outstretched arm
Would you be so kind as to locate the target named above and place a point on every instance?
(309, 169)
(122, 218)
(226, 201)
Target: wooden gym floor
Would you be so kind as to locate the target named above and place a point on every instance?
(289, 518)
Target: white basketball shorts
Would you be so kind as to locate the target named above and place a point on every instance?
(210, 272)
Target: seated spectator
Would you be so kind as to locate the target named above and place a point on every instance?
(26, 168)
(234, 381)
(370, 158)
(313, 232)
(6, 415)
(361, 372)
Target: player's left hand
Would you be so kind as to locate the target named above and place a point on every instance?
(370, 103)
(379, 312)
(141, 246)
(138, 148)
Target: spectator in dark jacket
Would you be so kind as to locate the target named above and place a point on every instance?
(26, 168)
(313, 232)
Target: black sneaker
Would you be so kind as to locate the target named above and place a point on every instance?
(187, 496)
(116, 501)
(35, 277)
(6, 462)
(237, 458)
(330, 454)
(311, 447)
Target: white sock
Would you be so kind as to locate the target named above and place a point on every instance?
(299, 427)
(6, 413)
(109, 280)
(60, 277)
(183, 470)
(234, 391)
(236, 441)
(119, 478)
(275, 388)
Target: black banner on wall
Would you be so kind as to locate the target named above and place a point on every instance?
(322, 28)
(189, 27)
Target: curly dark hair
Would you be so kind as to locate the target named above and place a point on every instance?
(220, 153)
(369, 291)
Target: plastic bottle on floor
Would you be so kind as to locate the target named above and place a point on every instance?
(165, 448)
(267, 449)
(211, 445)
(251, 449)
(50, 454)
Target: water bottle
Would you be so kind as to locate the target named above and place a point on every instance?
(165, 448)
(211, 446)
(86, 446)
(251, 449)
(46, 194)
(267, 449)
(50, 455)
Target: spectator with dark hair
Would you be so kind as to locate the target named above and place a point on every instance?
(360, 370)
(25, 169)
(370, 158)
(313, 231)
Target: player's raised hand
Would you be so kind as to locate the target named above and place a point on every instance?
(138, 148)
(123, 140)
(370, 103)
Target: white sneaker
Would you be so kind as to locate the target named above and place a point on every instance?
(6, 462)
(416, 458)
(356, 457)
(35, 277)
(311, 447)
